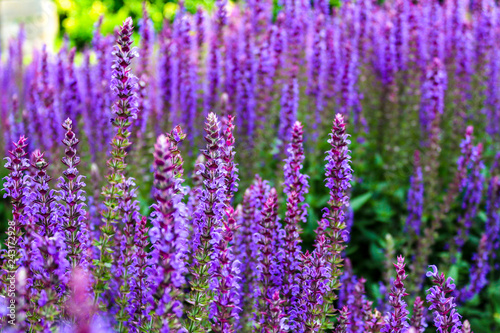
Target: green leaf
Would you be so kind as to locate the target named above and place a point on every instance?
(358, 202)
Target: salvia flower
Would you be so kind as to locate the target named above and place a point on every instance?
(397, 320)
(123, 84)
(225, 275)
(16, 187)
(338, 176)
(478, 273)
(267, 260)
(415, 201)
(446, 317)
(168, 266)
(208, 217)
(417, 320)
(314, 281)
(72, 193)
(296, 186)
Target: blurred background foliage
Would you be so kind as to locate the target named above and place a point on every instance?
(78, 17)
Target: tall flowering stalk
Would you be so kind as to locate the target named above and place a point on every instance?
(16, 187)
(143, 289)
(72, 193)
(446, 317)
(225, 267)
(266, 260)
(225, 277)
(338, 177)
(472, 198)
(295, 186)
(397, 320)
(229, 167)
(49, 265)
(415, 201)
(247, 248)
(417, 320)
(208, 217)
(478, 272)
(343, 322)
(168, 268)
(314, 282)
(123, 84)
(147, 39)
(125, 261)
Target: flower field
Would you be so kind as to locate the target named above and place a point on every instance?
(286, 167)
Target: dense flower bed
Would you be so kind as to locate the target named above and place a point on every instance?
(412, 82)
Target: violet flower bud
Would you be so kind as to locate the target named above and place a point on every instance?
(276, 316)
(356, 303)
(45, 204)
(165, 72)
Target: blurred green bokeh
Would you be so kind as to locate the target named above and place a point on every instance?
(78, 17)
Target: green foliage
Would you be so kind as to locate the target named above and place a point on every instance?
(78, 17)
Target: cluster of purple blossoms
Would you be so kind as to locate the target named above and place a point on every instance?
(129, 240)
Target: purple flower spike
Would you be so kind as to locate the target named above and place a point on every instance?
(338, 177)
(226, 270)
(296, 186)
(418, 318)
(433, 93)
(472, 197)
(208, 219)
(314, 281)
(72, 193)
(276, 316)
(123, 84)
(168, 257)
(478, 273)
(267, 256)
(16, 186)
(343, 320)
(415, 201)
(289, 107)
(230, 168)
(397, 321)
(446, 316)
(338, 171)
(45, 201)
